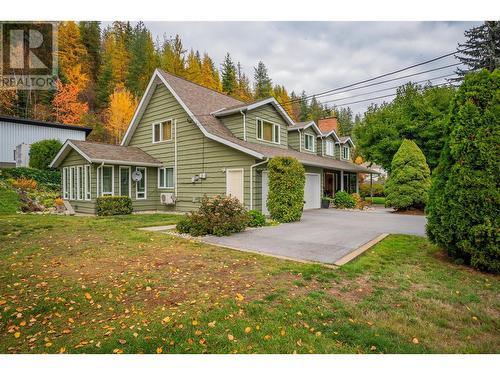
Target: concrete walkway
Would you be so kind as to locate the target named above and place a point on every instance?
(325, 236)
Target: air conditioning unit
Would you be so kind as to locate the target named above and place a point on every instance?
(167, 198)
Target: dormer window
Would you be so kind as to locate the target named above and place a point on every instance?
(329, 148)
(162, 131)
(268, 131)
(309, 142)
(346, 153)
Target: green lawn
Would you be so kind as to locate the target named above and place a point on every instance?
(9, 201)
(97, 285)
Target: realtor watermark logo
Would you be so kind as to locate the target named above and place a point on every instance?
(28, 55)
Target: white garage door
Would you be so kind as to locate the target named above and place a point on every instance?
(312, 191)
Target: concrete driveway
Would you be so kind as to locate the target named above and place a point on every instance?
(324, 236)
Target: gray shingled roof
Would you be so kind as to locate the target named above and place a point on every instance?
(98, 152)
(299, 125)
(202, 101)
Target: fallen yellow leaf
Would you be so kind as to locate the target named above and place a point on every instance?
(166, 319)
(373, 348)
(282, 333)
(62, 350)
(23, 323)
(267, 337)
(198, 333)
(318, 333)
(239, 297)
(415, 340)
(17, 334)
(230, 337)
(194, 322)
(159, 350)
(211, 324)
(88, 296)
(248, 330)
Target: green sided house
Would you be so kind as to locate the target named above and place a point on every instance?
(186, 141)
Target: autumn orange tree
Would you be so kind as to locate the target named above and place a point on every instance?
(122, 105)
(67, 108)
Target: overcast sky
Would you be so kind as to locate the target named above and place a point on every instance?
(317, 56)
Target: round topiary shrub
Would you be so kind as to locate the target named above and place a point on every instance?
(463, 214)
(257, 219)
(343, 199)
(409, 182)
(43, 152)
(285, 200)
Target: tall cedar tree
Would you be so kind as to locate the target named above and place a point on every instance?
(409, 182)
(193, 67)
(482, 48)
(417, 113)
(243, 91)
(142, 60)
(228, 73)
(345, 120)
(90, 33)
(172, 57)
(463, 214)
(263, 86)
(283, 98)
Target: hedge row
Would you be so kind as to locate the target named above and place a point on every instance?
(113, 205)
(47, 178)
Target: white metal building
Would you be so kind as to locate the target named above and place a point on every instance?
(17, 134)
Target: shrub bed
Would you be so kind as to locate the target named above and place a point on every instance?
(48, 179)
(285, 200)
(343, 199)
(257, 219)
(218, 215)
(117, 205)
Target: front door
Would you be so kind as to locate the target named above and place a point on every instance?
(234, 184)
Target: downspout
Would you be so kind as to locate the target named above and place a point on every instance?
(175, 159)
(251, 180)
(244, 125)
(300, 141)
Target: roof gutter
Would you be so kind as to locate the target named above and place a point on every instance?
(125, 162)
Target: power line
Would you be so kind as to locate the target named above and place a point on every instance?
(387, 96)
(386, 74)
(386, 89)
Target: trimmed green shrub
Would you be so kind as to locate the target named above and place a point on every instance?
(47, 179)
(285, 200)
(219, 215)
(463, 214)
(409, 182)
(113, 205)
(257, 219)
(43, 152)
(343, 199)
(378, 190)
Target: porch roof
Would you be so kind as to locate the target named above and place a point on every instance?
(95, 152)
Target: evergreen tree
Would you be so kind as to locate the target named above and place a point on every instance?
(304, 107)
(283, 98)
(193, 67)
(482, 48)
(228, 73)
(90, 32)
(345, 120)
(315, 110)
(409, 182)
(263, 87)
(243, 91)
(172, 57)
(295, 105)
(464, 203)
(71, 50)
(143, 60)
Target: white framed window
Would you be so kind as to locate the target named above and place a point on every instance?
(105, 180)
(141, 185)
(88, 183)
(346, 152)
(66, 188)
(72, 183)
(162, 131)
(309, 142)
(166, 178)
(125, 185)
(79, 183)
(268, 131)
(329, 148)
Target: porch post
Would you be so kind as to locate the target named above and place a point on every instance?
(341, 180)
(371, 186)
